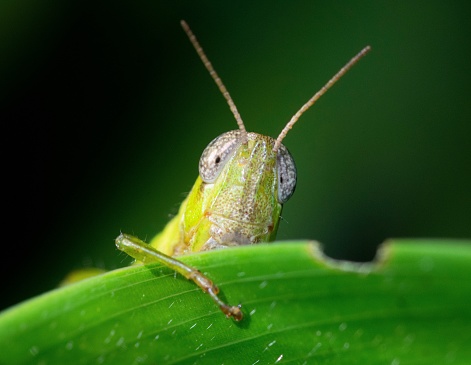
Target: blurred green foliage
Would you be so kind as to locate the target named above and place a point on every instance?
(108, 109)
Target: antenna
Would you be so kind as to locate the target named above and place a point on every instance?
(317, 95)
(215, 77)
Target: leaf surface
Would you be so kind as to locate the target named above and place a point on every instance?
(411, 306)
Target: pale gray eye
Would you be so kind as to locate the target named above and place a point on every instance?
(217, 153)
(286, 174)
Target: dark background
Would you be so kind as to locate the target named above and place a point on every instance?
(106, 108)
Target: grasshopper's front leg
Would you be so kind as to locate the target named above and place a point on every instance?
(145, 253)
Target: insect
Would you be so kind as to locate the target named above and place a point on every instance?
(244, 180)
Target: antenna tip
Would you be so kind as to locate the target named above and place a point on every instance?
(183, 24)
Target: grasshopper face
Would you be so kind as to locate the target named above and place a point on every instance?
(238, 196)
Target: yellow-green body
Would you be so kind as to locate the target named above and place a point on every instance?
(240, 207)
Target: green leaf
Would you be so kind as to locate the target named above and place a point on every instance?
(412, 306)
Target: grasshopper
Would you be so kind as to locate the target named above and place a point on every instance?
(244, 180)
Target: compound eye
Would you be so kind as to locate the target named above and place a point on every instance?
(286, 174)
(217, 153)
